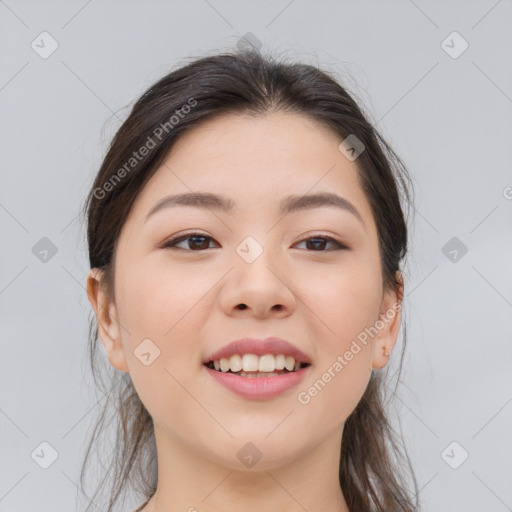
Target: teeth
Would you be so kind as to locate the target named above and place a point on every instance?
(250, 363)
(267, 363)
(224, 364)
(280, 360)
(235, 363)
(252, 375)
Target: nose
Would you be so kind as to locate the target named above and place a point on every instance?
(259, 289)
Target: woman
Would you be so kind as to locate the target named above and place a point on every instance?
(245, 237)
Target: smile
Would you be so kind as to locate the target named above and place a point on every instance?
(263, 382)
(251, 365)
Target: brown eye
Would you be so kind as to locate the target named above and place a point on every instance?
(197, 242)
(318, 244)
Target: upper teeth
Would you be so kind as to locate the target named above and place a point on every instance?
(253, 363)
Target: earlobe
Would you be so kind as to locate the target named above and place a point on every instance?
(106, 316)
(388, 326)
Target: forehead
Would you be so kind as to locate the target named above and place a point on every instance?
(256, 161)
(275, 138)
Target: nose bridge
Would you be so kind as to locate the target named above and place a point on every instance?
(251, 250)
(257, 263)
(259, 281)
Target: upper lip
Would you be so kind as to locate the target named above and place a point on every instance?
(259, 347)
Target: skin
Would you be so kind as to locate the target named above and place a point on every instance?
(187, 304)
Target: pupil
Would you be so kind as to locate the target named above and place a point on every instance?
(318, 240)
(196, 245)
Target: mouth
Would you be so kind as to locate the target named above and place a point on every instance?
(262, 358)
(255, 377)
(253, 366)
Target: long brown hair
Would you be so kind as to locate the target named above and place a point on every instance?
(373, 460)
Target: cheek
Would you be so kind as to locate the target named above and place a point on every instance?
(345, 302)
(161, 311)
(345, 298)
(164, 306)
(153, 299)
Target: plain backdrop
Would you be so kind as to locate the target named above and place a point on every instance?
(435, 77)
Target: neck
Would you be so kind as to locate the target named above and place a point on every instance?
(187, 481)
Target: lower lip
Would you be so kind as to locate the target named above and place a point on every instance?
(259, 388)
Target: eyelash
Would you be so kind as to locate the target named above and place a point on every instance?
(171, 244)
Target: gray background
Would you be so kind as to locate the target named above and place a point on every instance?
(448, 118)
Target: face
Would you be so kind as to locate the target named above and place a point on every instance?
(311, 276)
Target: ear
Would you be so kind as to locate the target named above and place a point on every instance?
(388, 324)
(106, 315)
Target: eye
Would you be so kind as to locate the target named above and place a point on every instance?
(200, 242)
(317, 243)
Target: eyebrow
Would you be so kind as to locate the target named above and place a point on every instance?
(289, 204)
